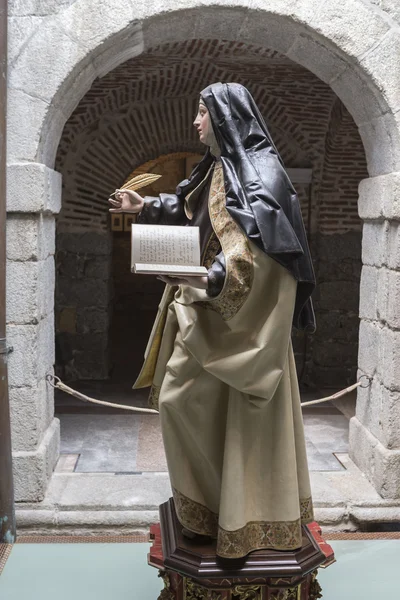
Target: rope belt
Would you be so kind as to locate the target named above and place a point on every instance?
(56, 383)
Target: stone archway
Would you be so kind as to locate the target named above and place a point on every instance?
(129, 115)
(144, 107)
(55, 58)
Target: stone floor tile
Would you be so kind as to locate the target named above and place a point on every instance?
(109, 491)
(329, 433)
(73, 432)
(150, 454)
(66, 463)
(117, 433)
(102, 461)
(106, 443)
(317, 461)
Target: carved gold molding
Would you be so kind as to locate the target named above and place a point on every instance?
(247, 592)
(166, 593)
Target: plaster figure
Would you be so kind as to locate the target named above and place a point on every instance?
(220, 361)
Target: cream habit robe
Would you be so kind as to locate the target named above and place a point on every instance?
(223, 377)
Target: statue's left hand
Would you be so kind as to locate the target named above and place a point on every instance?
(196, 282)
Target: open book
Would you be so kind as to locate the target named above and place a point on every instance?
(166, 250)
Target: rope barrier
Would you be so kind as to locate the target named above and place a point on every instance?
(333, 397)
(56, 383)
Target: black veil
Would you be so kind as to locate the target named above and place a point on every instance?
(259, 194)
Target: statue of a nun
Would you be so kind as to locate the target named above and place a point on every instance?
(220, 361)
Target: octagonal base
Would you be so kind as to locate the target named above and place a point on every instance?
(193, 571)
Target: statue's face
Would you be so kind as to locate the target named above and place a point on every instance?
(203, 125)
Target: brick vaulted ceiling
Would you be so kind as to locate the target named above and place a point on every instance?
(145, 108)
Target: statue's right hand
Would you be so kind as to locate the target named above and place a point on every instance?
(126, 201)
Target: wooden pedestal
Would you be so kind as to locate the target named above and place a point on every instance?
(194, 572)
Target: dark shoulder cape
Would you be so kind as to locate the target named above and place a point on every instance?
(259, 194)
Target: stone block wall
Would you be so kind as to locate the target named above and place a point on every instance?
(83, 301)
(336, 300)
(30, 325)
(134, 307)
(337, 251)
(391, 7)
(374, 431)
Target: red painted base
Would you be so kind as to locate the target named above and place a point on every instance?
(192, 572)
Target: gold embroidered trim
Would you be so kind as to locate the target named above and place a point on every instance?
(238, 256)
(306, 511)
(212, 249)
(195, 516)
(154, 397)
(255, 535)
